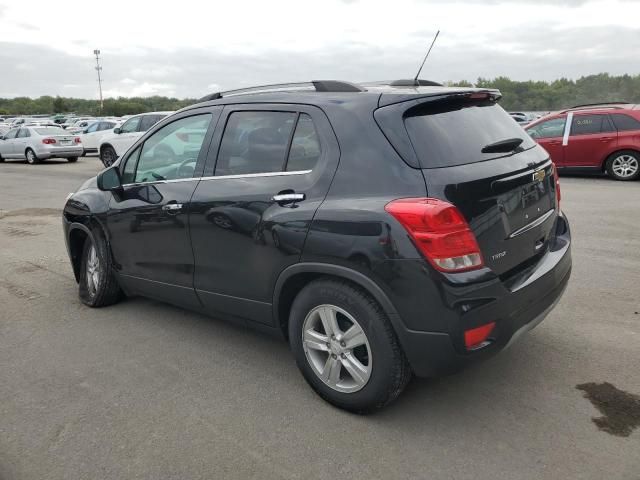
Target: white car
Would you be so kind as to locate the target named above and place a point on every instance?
(112, 146)
(95, 132)
(79, 125)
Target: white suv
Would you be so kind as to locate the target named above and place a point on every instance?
(113, 145)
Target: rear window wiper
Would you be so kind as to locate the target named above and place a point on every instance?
(508, 145)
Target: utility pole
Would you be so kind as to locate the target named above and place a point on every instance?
(98, 68)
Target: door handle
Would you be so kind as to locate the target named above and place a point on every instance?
(283, 199)
(555, 142)
(606, 139)
(172, 207)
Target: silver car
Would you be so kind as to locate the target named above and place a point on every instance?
(39, 143)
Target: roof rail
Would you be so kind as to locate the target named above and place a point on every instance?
(600, 104)
(415, 83)
(317, 85)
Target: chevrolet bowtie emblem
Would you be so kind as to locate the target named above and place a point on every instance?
(538, 176)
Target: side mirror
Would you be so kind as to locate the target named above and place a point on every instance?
(117, 131)
(1, 137)
(86, 130)
(109, 180)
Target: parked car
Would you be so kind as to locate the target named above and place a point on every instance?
(80, 125)
(383, 230)
(39, 143)
(94, 132)
(600, 137)
(115, 144)
(520, 117)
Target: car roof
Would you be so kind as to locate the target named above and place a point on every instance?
(376, 93)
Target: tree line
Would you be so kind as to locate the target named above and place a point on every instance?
(516, 95)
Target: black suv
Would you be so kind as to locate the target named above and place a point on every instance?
(384, 230)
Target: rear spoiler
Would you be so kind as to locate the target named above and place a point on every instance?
(433, 93)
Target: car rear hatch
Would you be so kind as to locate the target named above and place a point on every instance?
(475, 156)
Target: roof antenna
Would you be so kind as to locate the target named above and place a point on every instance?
(415, 80)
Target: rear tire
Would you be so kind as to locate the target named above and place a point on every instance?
(624, 165)
(380, 370)
(98, 286)
(31, 157)
(108, 155)
(72, 159)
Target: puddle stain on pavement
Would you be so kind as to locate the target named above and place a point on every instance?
(620, 410)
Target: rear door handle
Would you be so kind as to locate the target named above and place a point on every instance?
(607, 139)
(283, 199)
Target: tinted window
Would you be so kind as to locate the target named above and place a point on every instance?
(149, 121)
(305, 146)
(549, 129)
(254, 142)
(625, 122)
(172, 151)
(129, 171)
(589, 124)
(106, 126)
(24, 133)
(11, 134)
(452, 133)
(130, 125)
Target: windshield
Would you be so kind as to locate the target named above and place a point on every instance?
(446, 134)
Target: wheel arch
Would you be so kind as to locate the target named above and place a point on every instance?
(296, 277)
(76, 237)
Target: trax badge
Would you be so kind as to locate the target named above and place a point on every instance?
(538, 176)
(498, 255)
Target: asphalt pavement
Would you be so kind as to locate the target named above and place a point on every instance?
(145, 390)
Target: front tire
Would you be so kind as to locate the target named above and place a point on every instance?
(624, 165)
(31, 157)
(108, 155)
(98, 286)
(345, 346)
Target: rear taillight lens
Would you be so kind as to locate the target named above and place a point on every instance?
(48, 141)
(76, 140)
(477, 337)
(440, 232)
(557, 179)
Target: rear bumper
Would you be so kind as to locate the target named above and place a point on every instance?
(60, 152)
(516, 306)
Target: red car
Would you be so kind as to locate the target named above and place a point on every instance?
(602, 137)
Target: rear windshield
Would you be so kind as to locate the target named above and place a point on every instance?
(449, 134)
(48, 130)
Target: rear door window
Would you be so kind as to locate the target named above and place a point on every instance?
(305, 146)
(590, 124)
(449, 133)
(24, 133)
(255, 142)
(625, 122)
(148, 121)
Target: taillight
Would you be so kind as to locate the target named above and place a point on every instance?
(557, 179)
(76, 140)
(440, 231)
(48, 141)
(476, 337)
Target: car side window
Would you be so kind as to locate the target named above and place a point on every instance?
(11, 134)
(93, 127)
(549, 129)
(625, 122)
(24, 133)
(129, 170)
(305, 147)
(172, 152)
(590, 124)
(148, 121)
(255, 142)
(130, 125)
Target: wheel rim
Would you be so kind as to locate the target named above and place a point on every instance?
(625, 166)
(93, 271)
(337, 349)
(30, 157)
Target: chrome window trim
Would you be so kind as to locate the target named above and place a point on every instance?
(219, 177)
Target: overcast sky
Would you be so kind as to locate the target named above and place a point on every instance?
(189, 48)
